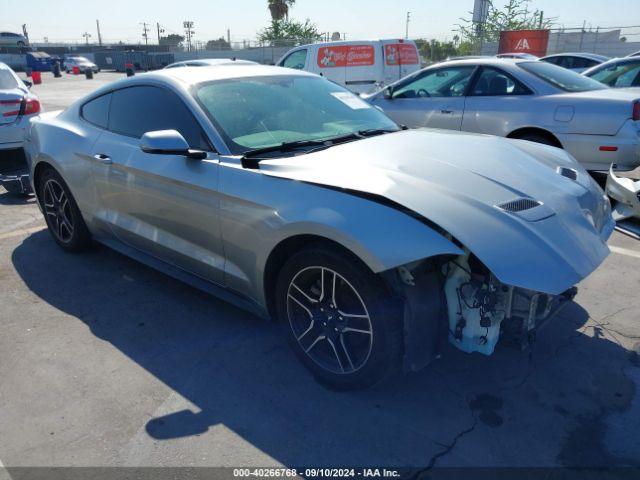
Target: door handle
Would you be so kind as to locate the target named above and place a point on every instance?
(104, 159)
(446, 111)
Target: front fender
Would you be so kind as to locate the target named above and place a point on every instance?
(258, 212)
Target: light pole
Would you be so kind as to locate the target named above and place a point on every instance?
(188, 30)
(406, 34)
(86, 36)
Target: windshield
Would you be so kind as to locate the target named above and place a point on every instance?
(561, 77)
(7, 80)
(79, 60)
(625, 74)
(259, 112)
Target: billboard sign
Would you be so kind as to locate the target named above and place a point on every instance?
(533, 42)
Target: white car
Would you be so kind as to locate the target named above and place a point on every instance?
(578, 62)
(81, 62)
(362, 66)
(13, 40)
(17, 107)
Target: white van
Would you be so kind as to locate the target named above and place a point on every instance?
(361, 66)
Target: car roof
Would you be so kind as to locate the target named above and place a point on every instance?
(493, 61)
(194, 75)
(590, 56)
(212, 62)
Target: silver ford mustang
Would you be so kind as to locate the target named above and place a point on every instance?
(290, 196)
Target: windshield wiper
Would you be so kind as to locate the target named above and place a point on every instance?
(251, 159)
(371, 132)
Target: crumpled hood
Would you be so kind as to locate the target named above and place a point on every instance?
(456, 180)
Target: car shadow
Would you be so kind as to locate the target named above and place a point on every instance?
(542, 408)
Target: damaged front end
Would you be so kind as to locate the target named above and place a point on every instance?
(459, 299)
(625, 194)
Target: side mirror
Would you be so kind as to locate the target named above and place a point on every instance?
(388, 92)
(28, 83)
(169, 142)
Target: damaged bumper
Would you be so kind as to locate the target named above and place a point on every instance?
(626, 194)
(18, 184)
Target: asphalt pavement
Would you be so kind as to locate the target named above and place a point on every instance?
(105, 362)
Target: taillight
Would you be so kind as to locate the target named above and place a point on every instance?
(31, 106)
(11, 113)
(636, 110)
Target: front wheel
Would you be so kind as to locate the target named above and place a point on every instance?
(340, 319)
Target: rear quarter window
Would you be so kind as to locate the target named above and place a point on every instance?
(96, 111)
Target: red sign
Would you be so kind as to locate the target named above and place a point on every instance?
(346, 56)
(401, 54)
(524, 41)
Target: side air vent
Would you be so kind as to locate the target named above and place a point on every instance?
(519, 205)
(570, 173)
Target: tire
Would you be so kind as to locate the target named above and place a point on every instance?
(63, 217)
(351, 344)
(537, 138)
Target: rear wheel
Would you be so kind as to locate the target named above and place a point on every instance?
(537, 138)
(340, 319)
(63, 217)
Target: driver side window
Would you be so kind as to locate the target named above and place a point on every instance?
(445, 82)
(297, 60)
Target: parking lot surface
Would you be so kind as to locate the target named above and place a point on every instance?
(106, 362)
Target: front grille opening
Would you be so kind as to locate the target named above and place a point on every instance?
(519, 205)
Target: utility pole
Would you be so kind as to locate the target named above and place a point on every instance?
(99, 36)
(86, 36)
(188, 30)
(24, 31)
(160, 30)
(145, 31)
(406, 34)
(229, 37)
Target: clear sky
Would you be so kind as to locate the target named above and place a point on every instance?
(67, 20)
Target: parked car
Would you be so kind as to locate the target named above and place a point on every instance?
(361, 66)
(578, 62)
(617, 73)
(292, 197)
(520, 55)
(13, 40)
(82, 63)
(18, 106)
(209, 62)
(530, 100)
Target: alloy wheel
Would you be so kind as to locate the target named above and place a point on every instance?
(58, 211)
(329, 320)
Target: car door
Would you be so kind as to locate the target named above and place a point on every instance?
(496, 102)
(165, 205)
(433, 98)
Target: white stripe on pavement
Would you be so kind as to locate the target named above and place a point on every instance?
(624, 251)
(22, 231)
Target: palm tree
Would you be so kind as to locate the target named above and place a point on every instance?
(280, 8)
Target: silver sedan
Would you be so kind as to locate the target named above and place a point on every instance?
(290, 196)
(529, 100)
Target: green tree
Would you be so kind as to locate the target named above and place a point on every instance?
(514, 15)
(173, 40)
(289, 32)
(279, 9)
(219, 44)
